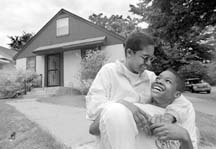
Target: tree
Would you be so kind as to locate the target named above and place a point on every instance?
(180, 27)
(17, 42)
(115, 23)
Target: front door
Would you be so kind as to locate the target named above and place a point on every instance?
(54, 70)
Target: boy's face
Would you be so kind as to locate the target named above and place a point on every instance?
(140, 60)
(163, 90)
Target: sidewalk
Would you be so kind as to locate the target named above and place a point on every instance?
(67, 124)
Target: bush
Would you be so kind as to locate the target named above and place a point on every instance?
(12, 82)
(90, 65)
(206, 72)
(193, 70)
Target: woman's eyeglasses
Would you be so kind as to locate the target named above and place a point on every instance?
(148, 58)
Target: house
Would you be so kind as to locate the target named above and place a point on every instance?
(6, 59)
(55, 52)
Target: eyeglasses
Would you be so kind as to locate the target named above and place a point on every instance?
(148, 58)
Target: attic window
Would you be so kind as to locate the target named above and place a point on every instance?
(62, 27)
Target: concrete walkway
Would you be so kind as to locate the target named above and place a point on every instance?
(67, 124)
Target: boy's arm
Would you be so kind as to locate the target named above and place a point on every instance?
(179, 109)
(182, 109)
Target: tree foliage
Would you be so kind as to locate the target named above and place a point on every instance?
(17, 42)
(115, 23)
(180, 26)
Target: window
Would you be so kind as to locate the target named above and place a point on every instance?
(31, 63)
(1, 66)
(62, 27)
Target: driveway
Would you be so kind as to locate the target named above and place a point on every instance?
(67, 124)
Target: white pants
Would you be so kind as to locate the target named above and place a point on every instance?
(119, 131)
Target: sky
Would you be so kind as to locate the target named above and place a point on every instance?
(18, 16)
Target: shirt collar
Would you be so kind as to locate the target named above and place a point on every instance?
(124, 71)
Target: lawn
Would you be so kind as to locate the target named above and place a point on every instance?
(17, 132)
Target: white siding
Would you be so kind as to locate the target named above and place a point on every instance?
(72, 61)
(21, 64)
(40, 64)
(114, 52)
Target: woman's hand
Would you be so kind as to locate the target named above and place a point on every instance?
(140, 117)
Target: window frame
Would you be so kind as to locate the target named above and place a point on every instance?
(27, 63)
(59, 34)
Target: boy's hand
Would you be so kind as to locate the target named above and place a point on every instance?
(169, 132)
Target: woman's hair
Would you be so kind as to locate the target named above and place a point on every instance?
(179, 80)
(137, 40)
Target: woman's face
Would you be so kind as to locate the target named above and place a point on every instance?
(139, 61)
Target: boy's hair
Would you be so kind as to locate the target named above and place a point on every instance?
(179, 80)
(136, 40)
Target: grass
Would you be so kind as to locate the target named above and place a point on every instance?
(28, 134)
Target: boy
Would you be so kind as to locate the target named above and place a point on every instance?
(166, 89)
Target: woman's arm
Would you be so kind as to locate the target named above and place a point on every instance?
(98, 95)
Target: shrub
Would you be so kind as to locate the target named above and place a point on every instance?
(193, 70)
(11, 82)
(90, 65)
(211, 73)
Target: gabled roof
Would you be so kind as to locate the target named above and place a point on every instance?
(6, 53)
(74, 16)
